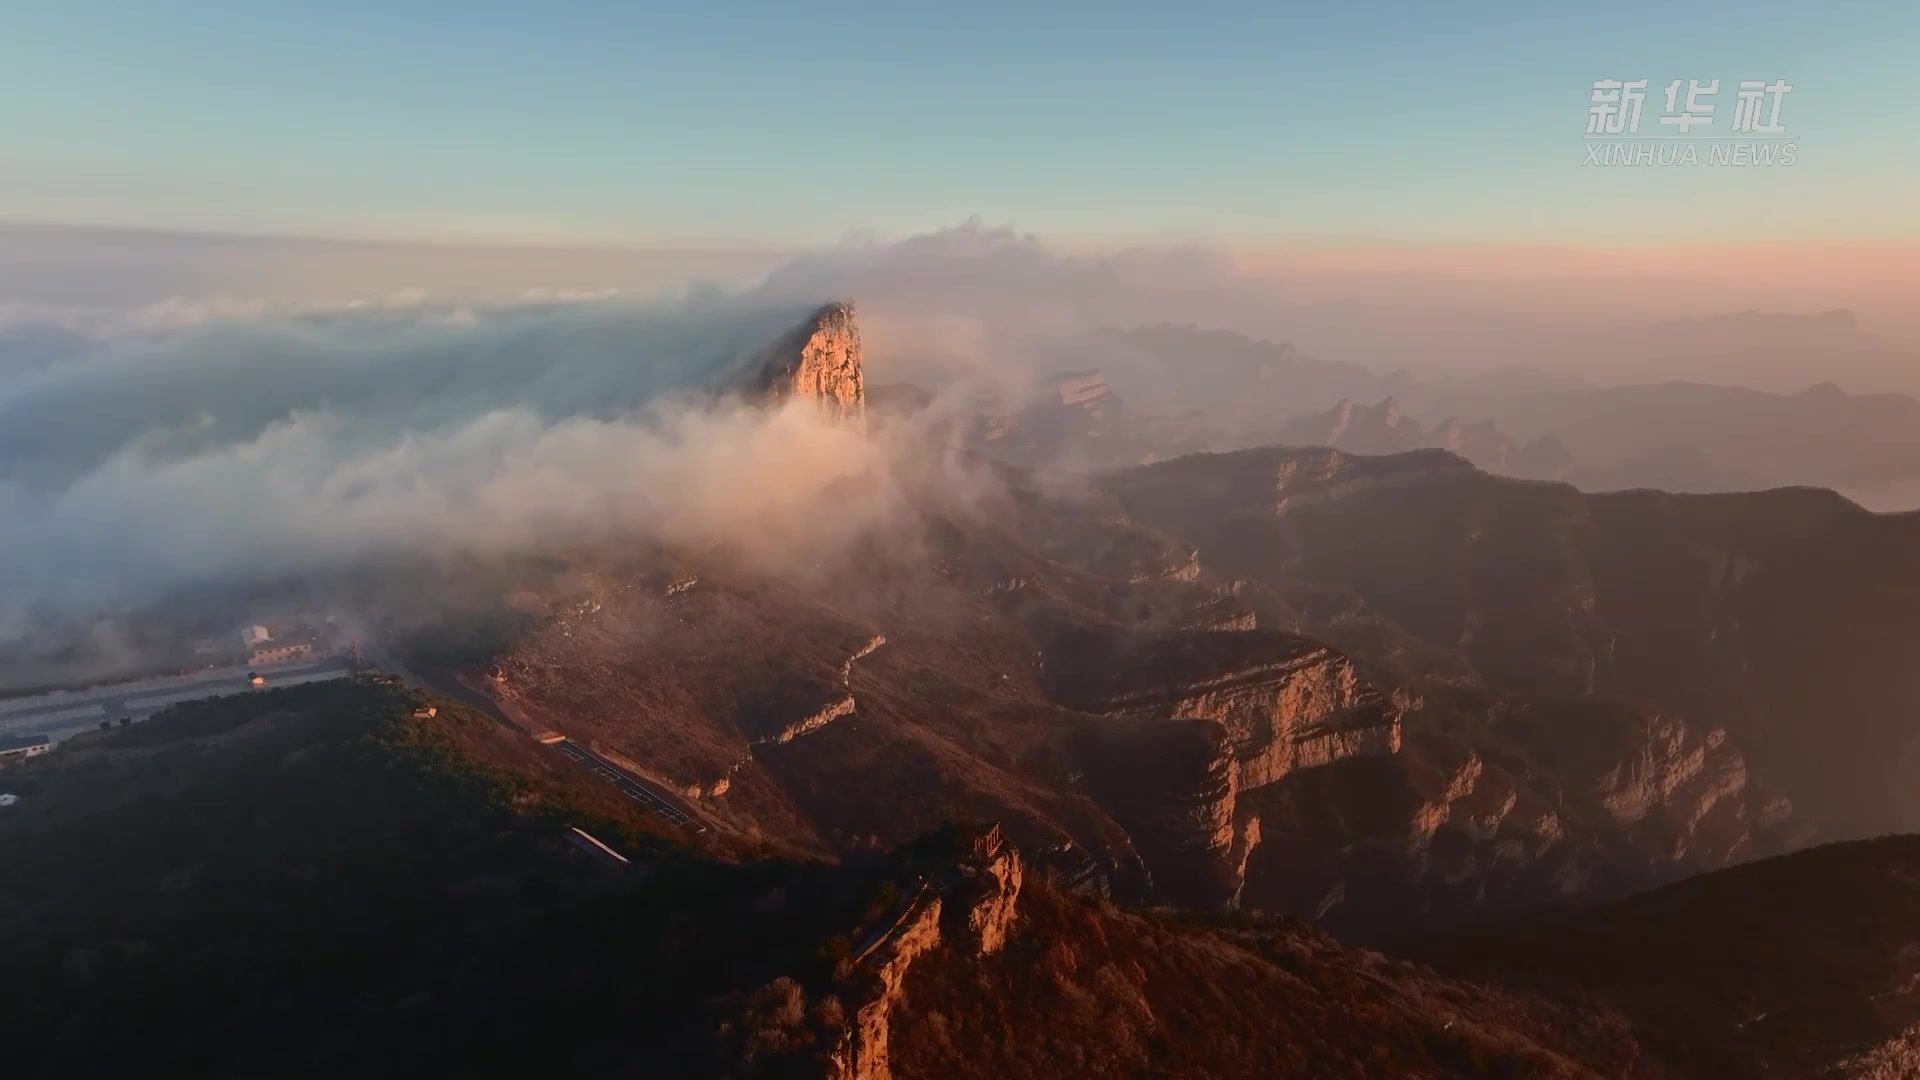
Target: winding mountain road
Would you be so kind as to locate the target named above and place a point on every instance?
(652, 797)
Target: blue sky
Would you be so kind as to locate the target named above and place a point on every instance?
(1249, 124)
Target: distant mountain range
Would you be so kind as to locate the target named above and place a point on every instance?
(1384, 429)
(1692, 437)
(1766, 350)
(1209, 389)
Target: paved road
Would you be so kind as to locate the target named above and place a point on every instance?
(633, 788)
(63, 713)
(645, 793)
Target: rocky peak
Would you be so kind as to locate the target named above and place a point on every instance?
(819, 361)
(993, 873)
(1364, 429)
(969, 903)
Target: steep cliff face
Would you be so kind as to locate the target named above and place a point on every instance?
(820, 361)
(862, 1052)
(1552, 803)
(968, 905)
(1683, 787)
(1204, 718)
(1281, 701)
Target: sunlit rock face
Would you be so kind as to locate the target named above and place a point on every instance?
(970, 904)
(819, 361)
(1208, 718)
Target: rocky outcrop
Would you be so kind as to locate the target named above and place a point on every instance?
(1204, 719)
(840, 705)
(1357, 429)
(819, 361)
(1682, 787)
(1225, 609)
(862, 1051)
(1672, 761)
(992, 876)
(1282, 702)
(1544, 458)
(970, 905)
(813, 721)
(872, 646)
(1547, 802)
(1322, 712)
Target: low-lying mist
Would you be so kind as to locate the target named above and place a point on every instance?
(259, 447)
